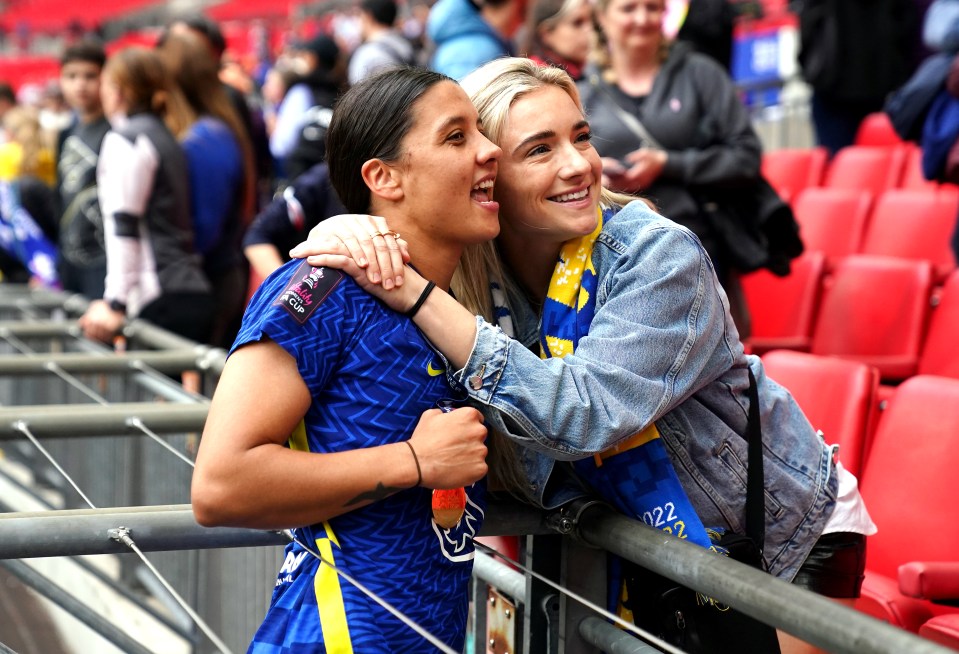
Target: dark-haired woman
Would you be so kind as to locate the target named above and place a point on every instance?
(222, 171)
(153, 271)
(323, 420)
(560, 33)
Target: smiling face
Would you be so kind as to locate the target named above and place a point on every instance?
(550, 173)
(447, 169)
(630, 24)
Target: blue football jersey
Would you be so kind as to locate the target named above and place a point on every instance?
(371, 374)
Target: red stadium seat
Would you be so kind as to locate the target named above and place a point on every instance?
(783, 309)
(791, 170)
(908, 483)
(875, 310)
(867, 168)
(914, 225)
(912, 177)
(876, 129)
(940, 352)
(943, 629)
(836, 395)
(832, 220)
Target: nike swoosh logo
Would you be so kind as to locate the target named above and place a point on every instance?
(433, 372)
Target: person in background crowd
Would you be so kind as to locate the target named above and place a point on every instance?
(222, 179)
(316, 354)
(28, 203)
(698, 135)
(382, 44)
(253, 123)
(276, 82)
(468, 34)
(708, 28)
(317, 64)
(82, 260)
(27, 150)
(560, 33)
(153, 271)
(288, 220)
(853, 53)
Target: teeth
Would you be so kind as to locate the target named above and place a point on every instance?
(569, 197)
(488, 184)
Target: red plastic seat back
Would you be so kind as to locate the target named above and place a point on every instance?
(868, 168)
(836, 395)
(942, 629)
(909, 478)
(940, 351)
(914, 225)
(783, 309)
(912, 177)
(876, 129)
(875, 309)
(791, 170)
(832, 220)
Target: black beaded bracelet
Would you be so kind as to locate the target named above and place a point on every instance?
(420, 300)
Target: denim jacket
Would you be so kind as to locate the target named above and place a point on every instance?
(661, 348)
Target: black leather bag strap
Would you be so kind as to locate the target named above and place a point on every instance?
(755, 497)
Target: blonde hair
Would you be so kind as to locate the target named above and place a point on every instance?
(23, 128)
(493, 89)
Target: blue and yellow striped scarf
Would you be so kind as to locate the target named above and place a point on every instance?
(636, 475)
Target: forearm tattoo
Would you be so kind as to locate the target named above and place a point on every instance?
(374, 495)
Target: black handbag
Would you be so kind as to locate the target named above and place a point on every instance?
(689, 620)
(754, 226)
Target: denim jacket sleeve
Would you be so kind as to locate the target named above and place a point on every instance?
(660, 333)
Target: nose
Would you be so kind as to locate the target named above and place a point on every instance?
(488, 151)
(575, 163)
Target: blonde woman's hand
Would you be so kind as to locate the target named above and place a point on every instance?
(360, 245)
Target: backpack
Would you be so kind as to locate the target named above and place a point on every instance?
(310, 148)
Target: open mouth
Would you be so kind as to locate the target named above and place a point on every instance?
(482, 192)
(570, 197)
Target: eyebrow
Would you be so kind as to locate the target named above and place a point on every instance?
(452, 121)
(546, 134)
(538, 136)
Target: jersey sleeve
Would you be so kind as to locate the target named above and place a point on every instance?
(307, 312)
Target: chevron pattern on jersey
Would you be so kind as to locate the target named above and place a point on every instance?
(368, 370)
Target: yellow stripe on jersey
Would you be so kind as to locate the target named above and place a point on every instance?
(298, 440)
(329, 598)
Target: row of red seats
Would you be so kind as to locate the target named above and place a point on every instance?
(878, 318)
(884, 311)
(911, 224)
(877, 161)
(905, 461)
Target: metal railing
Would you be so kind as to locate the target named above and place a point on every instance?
(87, 407)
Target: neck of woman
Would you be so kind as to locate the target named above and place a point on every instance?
(434, 259)
(635, 70)
(531, 264)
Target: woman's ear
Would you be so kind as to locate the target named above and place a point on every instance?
(382, 180)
